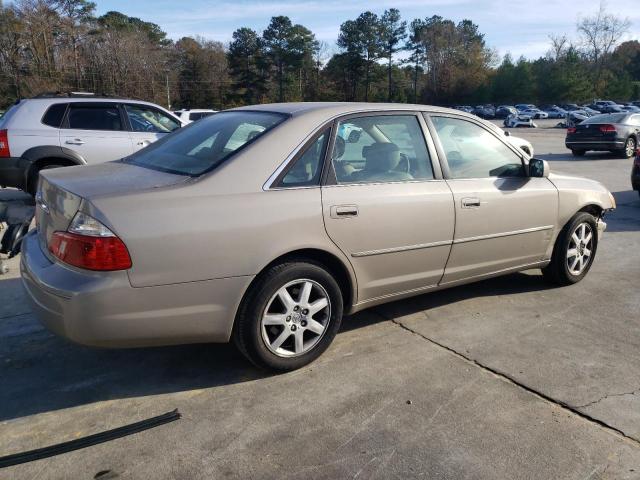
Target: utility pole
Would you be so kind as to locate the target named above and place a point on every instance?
(166, 78)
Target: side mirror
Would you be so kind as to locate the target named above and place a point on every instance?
(538, 168)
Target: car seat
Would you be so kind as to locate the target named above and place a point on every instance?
(382, 160)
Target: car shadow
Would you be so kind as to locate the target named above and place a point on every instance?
(41, 372)
(626, 217)
(504, 285)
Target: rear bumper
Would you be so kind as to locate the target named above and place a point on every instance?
(104, 310)
(13, 172)
(594, 145)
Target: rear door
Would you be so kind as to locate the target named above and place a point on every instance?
(386, 205)
(96, 131)
(148, 124)
(504, 218)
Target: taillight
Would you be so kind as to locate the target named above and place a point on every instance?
(90, 245)
(607, 128)
(4, 144)
(571, 130)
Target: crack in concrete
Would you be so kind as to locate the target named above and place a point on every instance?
(506, 377)
(590, 404)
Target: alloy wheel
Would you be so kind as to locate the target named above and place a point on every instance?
(629, 148)
(580, 249)
(296, 318)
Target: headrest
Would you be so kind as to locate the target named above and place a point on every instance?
(381, 157)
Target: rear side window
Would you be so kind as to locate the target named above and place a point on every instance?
(204, 145)
(94, 117)
(306, 170)
(54, 115)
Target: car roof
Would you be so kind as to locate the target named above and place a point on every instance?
(87, 99)
(343, 108)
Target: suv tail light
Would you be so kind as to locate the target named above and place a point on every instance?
(90, 245)
(607, 128)
(4, 144)
(571, 130)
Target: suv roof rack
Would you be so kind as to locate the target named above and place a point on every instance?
(74, 95)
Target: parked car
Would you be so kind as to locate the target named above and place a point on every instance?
(534, 113)
(519, 120)
(485, 111)
(555, 112)
(524, 106)
(503, 111)
(293, 226)
(636, 103)
(635, 172)
(606, 106)
(631, 109)
(589, 112)
(53, 131)
(188, 116)
(569, 107)
(615, 132)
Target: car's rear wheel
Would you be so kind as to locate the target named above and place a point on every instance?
(578, 153)
(574, 251)
(629, 148)
(289, 316)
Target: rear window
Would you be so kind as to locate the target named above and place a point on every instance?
(204, 145)
(606, 118)
(94, 117)
(54, 114)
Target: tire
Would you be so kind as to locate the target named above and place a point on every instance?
(629, 148)
(562, 270)
(32, 182)
(578, 153)
(275, 336)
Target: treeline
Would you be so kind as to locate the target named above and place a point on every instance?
(61, 45)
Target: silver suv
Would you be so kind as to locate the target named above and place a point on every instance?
(53, 131)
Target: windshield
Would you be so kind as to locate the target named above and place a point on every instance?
(204, 145)
(607, 118)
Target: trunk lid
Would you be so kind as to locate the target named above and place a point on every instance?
(63, 190)
(591, 131)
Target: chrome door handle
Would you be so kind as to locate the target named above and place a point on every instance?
(75, 141)
(470, 202)
(344, 211)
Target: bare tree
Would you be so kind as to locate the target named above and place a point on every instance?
(600, 33)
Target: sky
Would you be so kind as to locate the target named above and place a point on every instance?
(519, 27)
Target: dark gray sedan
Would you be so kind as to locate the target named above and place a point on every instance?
(614, 132)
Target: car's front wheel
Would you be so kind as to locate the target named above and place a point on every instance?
(290, 316)
(574, 250)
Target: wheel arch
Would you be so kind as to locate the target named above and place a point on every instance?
(38, 157)
(335, 266)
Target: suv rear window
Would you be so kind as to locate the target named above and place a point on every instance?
(54, 115)
(202, 146)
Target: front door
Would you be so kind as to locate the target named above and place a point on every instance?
(148, 124)
(504, 218)
(95, 130)
(387, 210)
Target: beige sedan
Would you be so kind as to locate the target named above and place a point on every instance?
(266, 224)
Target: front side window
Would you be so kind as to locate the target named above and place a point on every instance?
(205, 144)
(307, 168)
(384, 148)
(473, 152)
(146, 119)
(94, 117)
